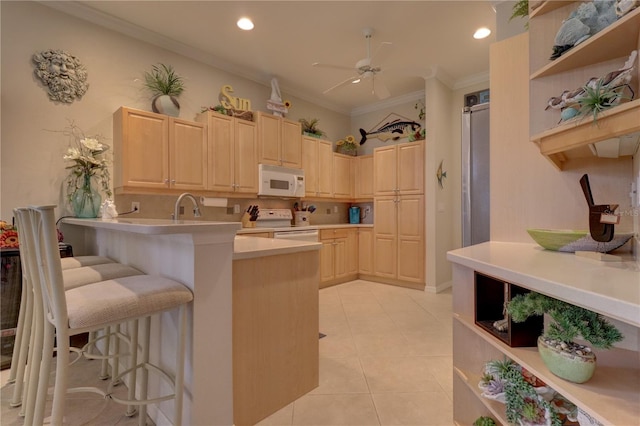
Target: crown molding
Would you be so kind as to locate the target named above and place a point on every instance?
(471, 81)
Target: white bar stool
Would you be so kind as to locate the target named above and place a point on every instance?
(27, 351)
(93, 307)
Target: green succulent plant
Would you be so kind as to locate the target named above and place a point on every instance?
(484, 421)
(599, 98)
(163, 80)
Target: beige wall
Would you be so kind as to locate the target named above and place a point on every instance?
(33, 171)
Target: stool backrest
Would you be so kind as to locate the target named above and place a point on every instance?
(43, 239)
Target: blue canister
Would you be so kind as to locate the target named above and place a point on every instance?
(354, 215)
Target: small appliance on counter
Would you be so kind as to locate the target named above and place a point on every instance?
(354, 214)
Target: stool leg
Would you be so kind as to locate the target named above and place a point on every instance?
(144, 378)
(133, 361)
(180, 357)
(17, 343)
(115, 362)
(44, 374)
(104, 372)
(34, 362)
(19, 362)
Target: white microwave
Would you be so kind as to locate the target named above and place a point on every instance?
(276, 181)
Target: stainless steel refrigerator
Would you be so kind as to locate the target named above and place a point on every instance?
(475, 175)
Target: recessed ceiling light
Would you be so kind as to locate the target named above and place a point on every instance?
(245, 24)
(482, 33)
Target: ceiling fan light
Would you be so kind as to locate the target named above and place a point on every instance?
(245, 24)
(482, 33)
(356, 81)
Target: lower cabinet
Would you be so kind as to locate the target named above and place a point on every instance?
(338, 255)
(365, 251)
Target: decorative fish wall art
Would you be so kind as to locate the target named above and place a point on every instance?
(391, 128)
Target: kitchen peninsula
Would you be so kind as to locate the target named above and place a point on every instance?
(203, 256)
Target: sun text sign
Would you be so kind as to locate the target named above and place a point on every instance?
(232, 102)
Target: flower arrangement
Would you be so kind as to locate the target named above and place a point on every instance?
(347, 145)
(87, 162)
(8, 235)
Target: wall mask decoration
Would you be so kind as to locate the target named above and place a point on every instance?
(63, 75)
(392, 127)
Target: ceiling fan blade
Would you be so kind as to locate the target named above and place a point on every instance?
(338, 67)
(380, 89)
(342, 83)
(381, 52)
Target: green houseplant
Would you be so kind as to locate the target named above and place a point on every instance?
(310, 127)
(565, 358)
(165, 85)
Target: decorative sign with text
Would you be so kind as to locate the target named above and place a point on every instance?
(229, 101)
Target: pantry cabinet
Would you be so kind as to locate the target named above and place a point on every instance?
(157, 152)
(399, 169)
(343, 176)
(279, 141)
(600, 54)
(399, 238)
(338, 255)
(364, 177)
(317, 163)
(232, 153)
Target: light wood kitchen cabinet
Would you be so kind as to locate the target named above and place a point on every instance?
(343, 176)
(364, 177)
(399, 239)
(338, 255)
(317, 163)
(600, 54)
(365, 251)
(157, 152)
(399, 169)
(279, 141)
(232, 153)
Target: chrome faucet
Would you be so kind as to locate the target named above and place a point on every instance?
(176, 209)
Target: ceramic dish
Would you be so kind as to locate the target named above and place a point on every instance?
(572, 241)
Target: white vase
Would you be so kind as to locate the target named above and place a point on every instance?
(165, 104)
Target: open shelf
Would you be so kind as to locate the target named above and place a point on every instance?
(549, 6)
(611, 396)
(615, 41)
(571, 140)
(471, 380)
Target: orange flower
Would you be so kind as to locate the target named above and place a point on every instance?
(9, 239)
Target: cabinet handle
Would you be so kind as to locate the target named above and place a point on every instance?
(173, 181)
(166, 181)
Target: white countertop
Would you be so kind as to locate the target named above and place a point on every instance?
(156, 226)
(303, 228)
(609, 288)
(247, 247)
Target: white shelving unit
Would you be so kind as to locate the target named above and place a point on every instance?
(612, 396)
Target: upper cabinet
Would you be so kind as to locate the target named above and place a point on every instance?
(343, 176)
(399, 169)
(615, 131)
(279, 141)
(364, 177)
(157, 152)
(317, 162)
(232, 153)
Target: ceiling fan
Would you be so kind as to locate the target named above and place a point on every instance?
(364, 68)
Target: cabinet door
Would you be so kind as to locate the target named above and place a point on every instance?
(310, 163)
(325, 169)
(269, 135)
(188, 154)
(221, 153)
(351, 252)
(365, 251)
(411, 238)
(327, 261)
(342, 176)
(291, 149)
(364, 177)
(385, 237)
(411, 168)
(141, 145)
(246, 157)
(340, 257)
(385, 166)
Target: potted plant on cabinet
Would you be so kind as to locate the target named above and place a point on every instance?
(165, 85)
(309, 127)
(565, 358)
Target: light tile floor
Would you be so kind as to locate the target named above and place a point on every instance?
(386, 360)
